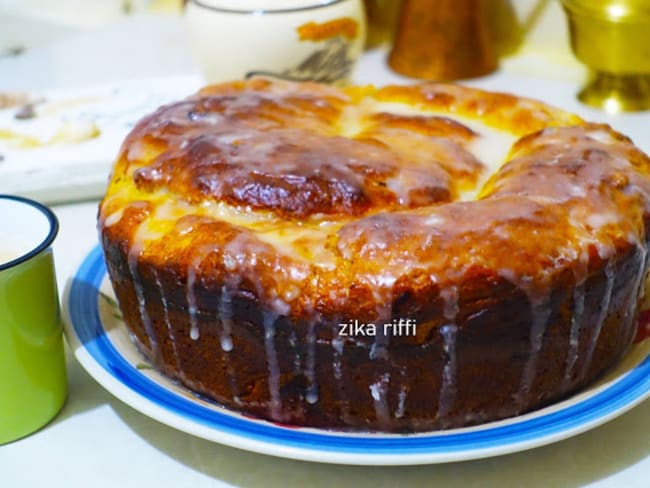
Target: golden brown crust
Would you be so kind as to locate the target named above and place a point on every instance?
(265, 209)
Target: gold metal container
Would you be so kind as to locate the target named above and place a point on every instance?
(443, 40)
(382, 21)
(612, 38)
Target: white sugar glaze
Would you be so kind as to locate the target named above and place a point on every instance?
(275, 401)
(296, 266)
(168, 324)
(449, 376)
(379, 394)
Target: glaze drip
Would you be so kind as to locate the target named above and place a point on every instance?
(448, 386)
(275, 401)
(297, 361)
(312, 389)
(540, 312)
(576, 326)
(168, 324)
(191, 304)
(337, 368)
(379, 394)
(192, 272)
(225, 314)
(610, 273)
(401, 401)
(634, 300)
(133, 258)
(225, 339)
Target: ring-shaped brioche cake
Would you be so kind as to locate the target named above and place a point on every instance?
(245, 223)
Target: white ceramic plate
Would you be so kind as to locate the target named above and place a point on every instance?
(65, 153)
(101, 344)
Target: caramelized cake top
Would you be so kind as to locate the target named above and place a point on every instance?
(316, 199)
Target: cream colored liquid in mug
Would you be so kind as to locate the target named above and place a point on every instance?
(7, 255)
(12, 251)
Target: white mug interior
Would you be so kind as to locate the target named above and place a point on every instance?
(26, 228)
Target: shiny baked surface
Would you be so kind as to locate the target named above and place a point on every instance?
(243, 225)
(310, 191)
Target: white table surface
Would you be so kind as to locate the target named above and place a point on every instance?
(99, 441)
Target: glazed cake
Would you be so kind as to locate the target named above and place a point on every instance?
(243, 225)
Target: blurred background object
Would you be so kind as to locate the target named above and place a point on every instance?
(532, 39)
(318, 40)
(612, 38)
(451, 41)
(529, 37)
(506, 29)
(33, 23)
(106, 51)
(82, 13)
(382, 18)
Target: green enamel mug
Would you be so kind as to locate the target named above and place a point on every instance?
(33, 383)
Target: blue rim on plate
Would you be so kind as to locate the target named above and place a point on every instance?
(103, 361)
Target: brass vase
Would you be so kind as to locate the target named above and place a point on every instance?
(612, 38)
(443, 40)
